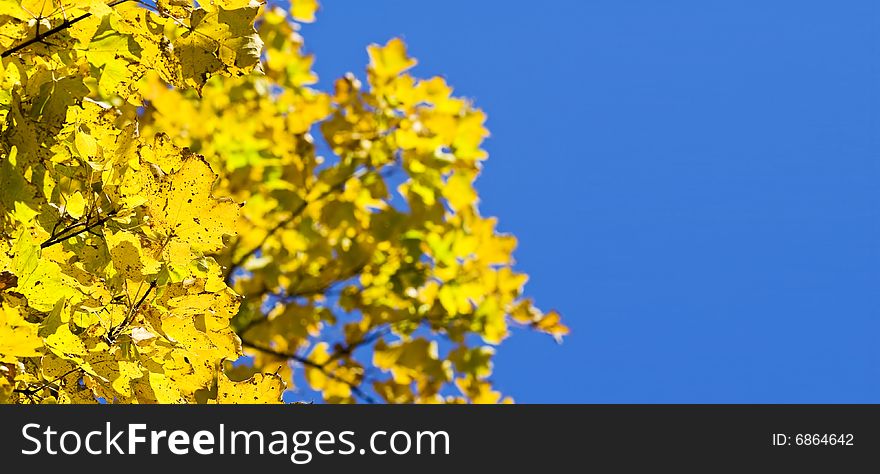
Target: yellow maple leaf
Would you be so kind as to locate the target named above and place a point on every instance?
(304, 10)
(220, 41)
(389, 60)
(260, 388)
(18, 338)
(184, 215)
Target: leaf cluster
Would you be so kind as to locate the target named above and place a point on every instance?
(184, 218)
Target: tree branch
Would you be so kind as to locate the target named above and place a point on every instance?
(322, 289)
(72, 231)
(367, 339)
(132, 312)
(355, 388)
(289, 297)
(33, 391)
(294, 214)
(38, 38)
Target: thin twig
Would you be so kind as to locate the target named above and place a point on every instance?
(294, 214)
(72, 231)
(39, 37)
(329, 285)
(366, 340)
(132, 312)
(34, 391)
(355, 388)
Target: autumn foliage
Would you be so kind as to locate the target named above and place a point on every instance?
(184, 218)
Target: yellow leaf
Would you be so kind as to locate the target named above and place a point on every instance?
(18, 338)
(480, 392)
(476, 361)
(333, 379)
(221, 41)
(86, 145)
(76, 205)
(178, 8)
(459, 191)
(261, 388)
(410, 360)
(163, 389)
(128, 256)
(127, 372)
(303, 10)
(16, 193)
(48, 283)
(58, 337)
(200, 323)
(26, 256)
(389, 60)
(185, 216)
(551, 323)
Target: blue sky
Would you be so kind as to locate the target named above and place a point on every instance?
(694, 186)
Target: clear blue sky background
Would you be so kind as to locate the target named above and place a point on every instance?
(695, 185)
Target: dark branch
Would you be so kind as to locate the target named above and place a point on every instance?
(40, 37)
(74, 230)
(323, 289)
(369, 338)
(33, 391)
(294, 214)
(355, 388)
(288, 298)
(132, 312)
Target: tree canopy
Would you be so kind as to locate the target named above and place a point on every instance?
(186, 218)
